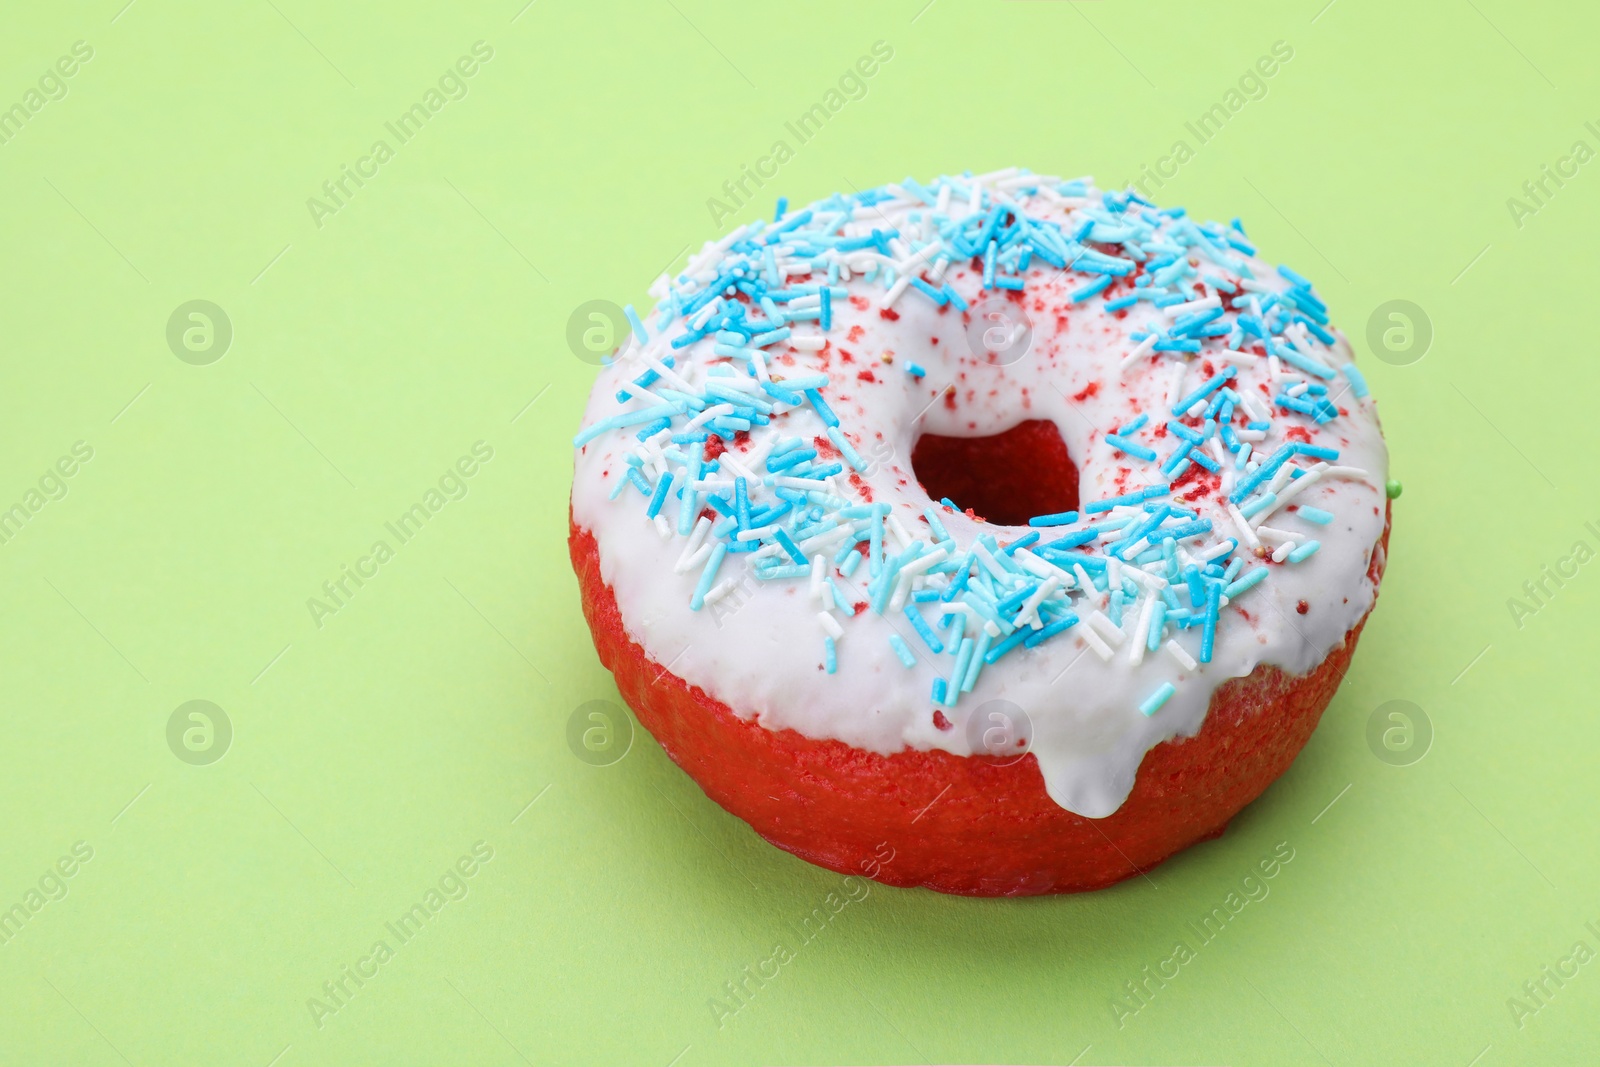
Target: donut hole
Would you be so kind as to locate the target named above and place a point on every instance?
(1007, 478)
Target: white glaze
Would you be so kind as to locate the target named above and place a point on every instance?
(758, 649)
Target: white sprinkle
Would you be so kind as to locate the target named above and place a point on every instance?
(1140, 629)
(1295, 488)
(1153, 582)
(723, 588)
(894, 291)
(802, 483)
(911, 263)
(1255, 406)
(1177, 652)
(809, 343)
(731, 459)
(1095, 641)
(826, 540)
(1084, 581)
(1274, 535)
(817, 564)
(700, 556)
(1246, 531)
(1215, 444)
(662, 527)
(1029, 615)
(697, 537)
(706, 416)
(899, 532)
(1175, 310)
(1143, 349)
(1278, 480)
(1175, 386)
(1042, 568)
(1349, 472)
(667, 372)
(1282, 552)
(1108, 629)
(990, 565)
(830, 624)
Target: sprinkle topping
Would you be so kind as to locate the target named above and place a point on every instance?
(1127, 575)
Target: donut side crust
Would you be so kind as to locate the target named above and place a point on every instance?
(966, 825)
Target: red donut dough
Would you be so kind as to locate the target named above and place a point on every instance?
(974, 825)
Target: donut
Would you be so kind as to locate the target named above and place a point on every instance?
(997, 535)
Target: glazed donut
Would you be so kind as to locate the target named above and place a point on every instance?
(1014, 529)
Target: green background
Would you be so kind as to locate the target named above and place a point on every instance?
(431, 310)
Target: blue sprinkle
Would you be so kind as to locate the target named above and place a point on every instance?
(1316, 515)
(1178, 429)
(1122, 444)
(1208, 636)
(1249, 581)
(846, 449)
(707, 576)
(1096, 506)
(822, 407)
(741, 503)
(936, 295)
(639, 481)
(958, 673)
(1305, 551)
(638, 327)
(1158, 622)
(1154, 701)
(1255, 504)
(1022, 542)
(919, 624)
(659, 497)
(1071, 540)
(830, 655)
(903, 651)
(1060, 518)
(791, 548)
(1199, 456)
(1211, 384)
(916, 370)
(994, 654)
(1038, 637)
(1080, 295)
